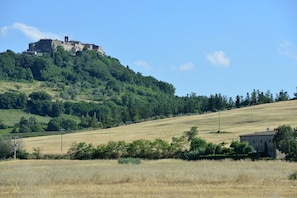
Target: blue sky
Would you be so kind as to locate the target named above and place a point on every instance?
(202, 46)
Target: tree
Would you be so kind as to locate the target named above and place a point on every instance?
(198, 144)
(159, 149)
(2, 125)
(12, 100)
(6, 148)
(81, 151)
(241, 147)
(282, 96)
(57, 109)
(54, 124)
(40, 103)
(191, 134)
(284, 138)
(254, 97)
(139, 148)
(30, 125)
(69, 125)
(238, 101)
(177, 146)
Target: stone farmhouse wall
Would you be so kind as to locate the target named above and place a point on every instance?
(258, 140)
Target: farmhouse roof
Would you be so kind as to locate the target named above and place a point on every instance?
(265, 133)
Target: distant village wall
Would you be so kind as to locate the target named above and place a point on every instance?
(49, 45)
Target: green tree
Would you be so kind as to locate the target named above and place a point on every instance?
(40, 103)
(114, 150)
(178, 146)
(69, 125)
(6, 148)
(284, 138)
(30, 125)
(139, 148)
(198, 144)
(81, 151)
(159, 149)
(241, 147)
(2, 125)
(282, 96)
(191, 134)
(54, 124)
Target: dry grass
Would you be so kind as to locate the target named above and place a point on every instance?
(26, 88)
(163, 178)
(233, 123)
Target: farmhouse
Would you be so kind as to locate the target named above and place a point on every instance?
(261, 141)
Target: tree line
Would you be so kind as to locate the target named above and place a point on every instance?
(187, 147)
(127, 109)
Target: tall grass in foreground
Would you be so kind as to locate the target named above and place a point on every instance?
(162, 178)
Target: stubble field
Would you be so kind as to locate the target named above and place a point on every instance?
(162, 178)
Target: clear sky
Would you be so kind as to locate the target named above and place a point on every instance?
(202, 46)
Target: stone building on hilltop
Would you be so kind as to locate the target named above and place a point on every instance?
(49, 45)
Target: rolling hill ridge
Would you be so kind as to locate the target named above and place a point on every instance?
(232, 124)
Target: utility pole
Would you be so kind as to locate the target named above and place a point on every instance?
(219, 122)
(15, 147)
(61, 130)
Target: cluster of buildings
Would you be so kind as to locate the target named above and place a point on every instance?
(49, 45)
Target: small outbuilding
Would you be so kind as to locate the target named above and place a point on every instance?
(262, 142)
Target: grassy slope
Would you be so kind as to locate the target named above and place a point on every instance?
(13, 116)
(233, 123)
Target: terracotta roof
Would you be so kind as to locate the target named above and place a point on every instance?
(260, 133)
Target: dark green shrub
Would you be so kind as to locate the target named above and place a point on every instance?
(22, 154)
(81, 151)
(197, 143)
(6, 148)
(241, 147)
(129, 160)
(293, 176)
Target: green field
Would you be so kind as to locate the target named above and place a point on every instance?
(10, 117)
(232, 123)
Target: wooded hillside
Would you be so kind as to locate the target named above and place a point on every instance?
(99, 91)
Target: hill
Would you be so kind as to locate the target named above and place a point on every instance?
(232, 124)
(97, 83)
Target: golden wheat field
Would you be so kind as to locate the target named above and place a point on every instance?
(159, 178)
(162, 178)
(232, 123)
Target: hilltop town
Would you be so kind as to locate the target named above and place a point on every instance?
(49, 45)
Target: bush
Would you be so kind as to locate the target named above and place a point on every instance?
(37, 153)
(129, 160)
(241, 147)
(22, 154)
(6, 148)
(293, 176)
(81, 151)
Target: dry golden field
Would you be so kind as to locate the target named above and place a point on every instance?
(232, 124)
(162, 178)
